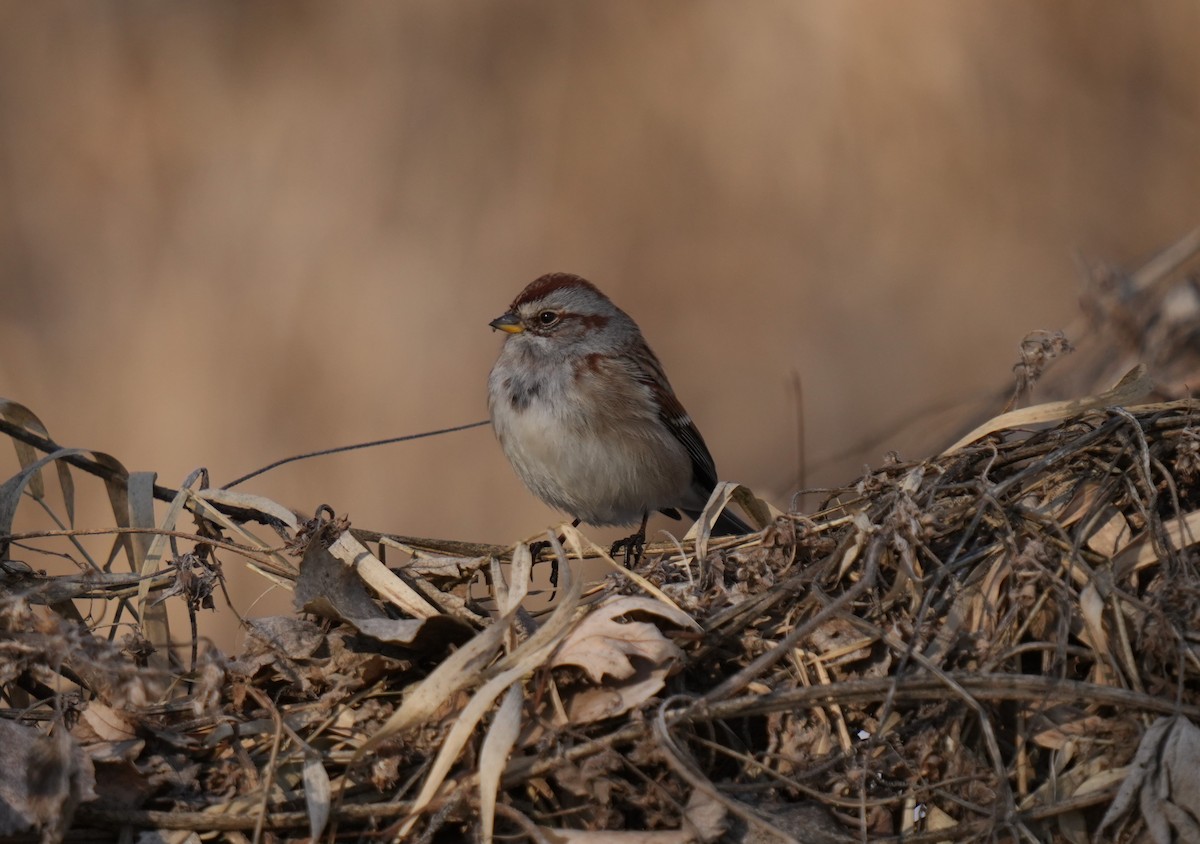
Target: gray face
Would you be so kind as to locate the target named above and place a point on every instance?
(564, 315)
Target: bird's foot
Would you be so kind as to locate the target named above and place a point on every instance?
(535, 549)
(632, 546)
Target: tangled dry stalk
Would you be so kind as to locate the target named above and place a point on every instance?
(995, 643)
(966, 647)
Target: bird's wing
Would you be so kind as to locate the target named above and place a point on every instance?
(672, 414)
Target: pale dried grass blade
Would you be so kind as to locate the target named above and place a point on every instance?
(456, 739)
(199, 503)
(1091, 607)
(149, 554)
(552, 630)
(12, 489)
(522, 574)
(1182, 532)
(380, 578)
(1135, 385)
(19, 414)
(457, 671)
(493, 757)
(318, 794)
(511, 591)
(528, 657)
(1167, 261)
(250, 501)
(852, 550)
(701, 531)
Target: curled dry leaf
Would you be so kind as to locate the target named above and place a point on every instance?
(597, 703)
(603, 645)
(445, 567)
(107, 723)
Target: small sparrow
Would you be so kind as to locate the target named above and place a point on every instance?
(586, 416)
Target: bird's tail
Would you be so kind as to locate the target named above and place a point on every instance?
(727, 524)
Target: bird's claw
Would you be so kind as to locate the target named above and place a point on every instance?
(632, 546)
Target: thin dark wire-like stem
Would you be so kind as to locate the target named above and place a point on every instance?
(354, 447)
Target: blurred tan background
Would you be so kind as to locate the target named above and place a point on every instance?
(231, 232)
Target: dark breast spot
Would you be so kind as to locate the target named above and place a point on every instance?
(524, 393)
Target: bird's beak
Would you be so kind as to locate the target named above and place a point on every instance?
(510, 323)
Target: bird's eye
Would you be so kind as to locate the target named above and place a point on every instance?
(547, 318)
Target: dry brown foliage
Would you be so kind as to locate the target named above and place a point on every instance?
(994, 643)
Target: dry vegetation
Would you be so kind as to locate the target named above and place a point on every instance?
(295, 219)
(997, 642)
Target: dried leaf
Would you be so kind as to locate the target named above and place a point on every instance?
(14, 487)
(107, 723)
(379, 577)
(856, 542)
(601, 645)
(1164, 780)
(1091, 607)
(331, 589)
(511, 592)
(701, 529)
(148, 555)
(608, 701)
(284, 634)
(1082, 498)
(18, 414)
(441, 566)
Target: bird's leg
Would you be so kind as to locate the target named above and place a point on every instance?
(632, 545)
(536, 548)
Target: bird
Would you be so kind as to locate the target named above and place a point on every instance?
(585, 414)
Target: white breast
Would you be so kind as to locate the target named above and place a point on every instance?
(603, 467)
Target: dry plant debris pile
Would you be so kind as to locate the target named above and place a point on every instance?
(995, 641)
